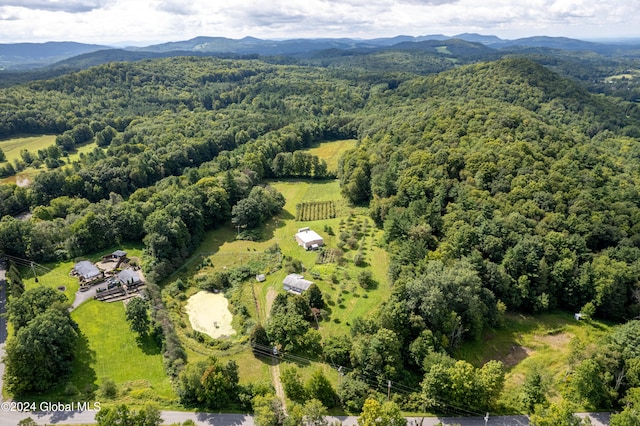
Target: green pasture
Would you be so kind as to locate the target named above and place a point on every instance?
(111, 350)
(332, 151)
(629, 75)
(13, 146)
(544, 342)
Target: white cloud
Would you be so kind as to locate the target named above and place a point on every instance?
(114, 20)
(71, 6)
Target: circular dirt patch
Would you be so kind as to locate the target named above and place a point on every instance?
(209, 314)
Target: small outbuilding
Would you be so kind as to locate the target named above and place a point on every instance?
(296, 283)
(309, 239)
(261, 278)
(86, 270)
(116, 255)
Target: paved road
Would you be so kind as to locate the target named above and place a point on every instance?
(83, 296)
(213, 419)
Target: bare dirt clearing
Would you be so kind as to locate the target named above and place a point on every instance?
(209, 314)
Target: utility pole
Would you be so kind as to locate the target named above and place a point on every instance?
(34, 272)
(388, 390)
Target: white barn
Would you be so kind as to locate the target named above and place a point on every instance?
(309, 239)
(296, 283)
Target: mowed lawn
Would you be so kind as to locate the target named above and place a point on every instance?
(135, 367)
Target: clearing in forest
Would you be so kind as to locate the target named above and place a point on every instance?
(332, 151)
(12, 147)
(549, 343)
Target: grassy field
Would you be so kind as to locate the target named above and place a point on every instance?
(331, 151)
(543, 342)
(116, 352)
(12, 147)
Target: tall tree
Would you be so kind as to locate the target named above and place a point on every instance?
(137, 314)
(375, 413)
(42, 352)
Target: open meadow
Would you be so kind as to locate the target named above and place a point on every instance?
(12, 147)
(549, 343)
(332, 151)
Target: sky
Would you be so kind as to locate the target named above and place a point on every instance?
(140, 22)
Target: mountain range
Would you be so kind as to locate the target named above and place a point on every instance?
(23, 56)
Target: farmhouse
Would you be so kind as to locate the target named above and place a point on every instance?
(309, 239)
(86, 270)
(128, 276)
(296, 283)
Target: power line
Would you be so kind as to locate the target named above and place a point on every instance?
(371, 380)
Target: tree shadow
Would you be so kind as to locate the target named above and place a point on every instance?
(268, 229)
(148, 344)
(84, 376)
(80, 385)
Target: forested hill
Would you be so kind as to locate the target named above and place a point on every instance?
(521, 172)
(499, 186)
(513, 172)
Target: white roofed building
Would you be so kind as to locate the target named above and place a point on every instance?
(296, 283)
(309, 239)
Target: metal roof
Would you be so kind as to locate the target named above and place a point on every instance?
(296, 281)
(86, 269)
(308, 236)
(128, 276)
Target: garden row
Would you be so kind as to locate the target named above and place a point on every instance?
(315, 210)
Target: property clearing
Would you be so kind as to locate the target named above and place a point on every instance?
(209, 314)
(112, 351)
(332, 151)
(548, 343)
(12, 147)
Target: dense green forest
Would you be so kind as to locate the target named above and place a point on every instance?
(500, 186)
